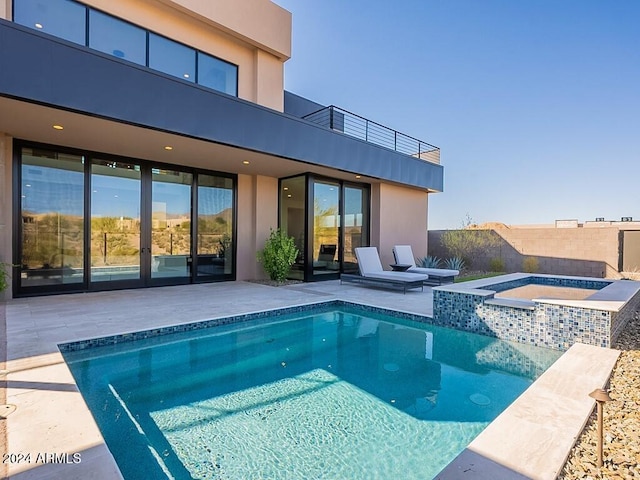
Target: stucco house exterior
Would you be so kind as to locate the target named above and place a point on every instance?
(151, 142)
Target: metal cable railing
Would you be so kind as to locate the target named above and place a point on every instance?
(356, 126)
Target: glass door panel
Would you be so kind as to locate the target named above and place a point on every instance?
(52, 213)
(326, 228)
(355, 225)
(170, 223)
(215, 226)
(293, 194)
(115, 221)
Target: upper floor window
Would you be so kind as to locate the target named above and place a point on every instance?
(62, 18)
(172, 57)
(216, 74)
(117, 37)
(80, 24)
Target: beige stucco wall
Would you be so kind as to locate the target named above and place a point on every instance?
(257, 213)
(398, 217)
(253, 34)
(5, 9)
(5, 204)
(260, 21)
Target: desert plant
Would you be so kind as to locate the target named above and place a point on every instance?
(4, 275)
(454, 263)
(469, 241)
(496, 265)
(278, 254)
(428, 262)
(530, 265)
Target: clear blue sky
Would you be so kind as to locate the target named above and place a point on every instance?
(535, 104)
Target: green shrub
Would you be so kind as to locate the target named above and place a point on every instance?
(4, 276)
(454, 263)
(496, 265)
(428, 262)
(278, 254)
(470, 241)
(530, 265)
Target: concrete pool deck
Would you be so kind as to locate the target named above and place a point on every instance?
(51, 422)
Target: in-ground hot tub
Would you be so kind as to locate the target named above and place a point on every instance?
(547, 321)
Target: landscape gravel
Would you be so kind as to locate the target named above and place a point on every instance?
(621, 425)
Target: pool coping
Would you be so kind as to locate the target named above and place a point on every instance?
(550, 414)
(320, 306)
(611, 297)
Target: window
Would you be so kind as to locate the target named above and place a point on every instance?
(68, 19)
(217, 74)
(118, 38)
(172, 57)
(62, 18)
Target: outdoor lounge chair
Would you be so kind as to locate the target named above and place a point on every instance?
(371, 272)
(437, 276)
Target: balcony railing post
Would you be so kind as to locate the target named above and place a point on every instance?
(366, 131)
(395, 140)
(331, 118)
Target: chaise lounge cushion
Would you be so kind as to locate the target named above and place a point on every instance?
(404, 255)
(370, 267)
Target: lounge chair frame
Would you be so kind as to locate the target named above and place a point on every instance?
(353, 278)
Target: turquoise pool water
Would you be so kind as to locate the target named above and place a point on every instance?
(333, 395)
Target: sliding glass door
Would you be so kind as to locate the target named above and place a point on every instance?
(51, 221)
(95, 222)
(170, 224)
(328, 219)
(355, 225)
(215, 245)
(115, 221)
(326, 228)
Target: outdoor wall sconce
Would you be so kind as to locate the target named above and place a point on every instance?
(600, 396)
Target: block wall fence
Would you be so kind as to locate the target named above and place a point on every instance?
(589, 252)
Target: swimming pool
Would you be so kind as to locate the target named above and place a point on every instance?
(329, 393)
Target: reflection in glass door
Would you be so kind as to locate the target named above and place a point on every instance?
(293, 195)
(95, 222)
(356, 232)
(326, 228)
(215, 226)
(170, 223)
(115, 221)
(52, 219)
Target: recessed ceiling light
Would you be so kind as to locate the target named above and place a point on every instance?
(358, 176)
(245, 162)
(27, 185)
(39, 25)
(58, 127)
(289, 196)
(168, 147)
(286, 188)
(186, 75)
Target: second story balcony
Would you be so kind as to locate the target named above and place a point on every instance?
(356, 126)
